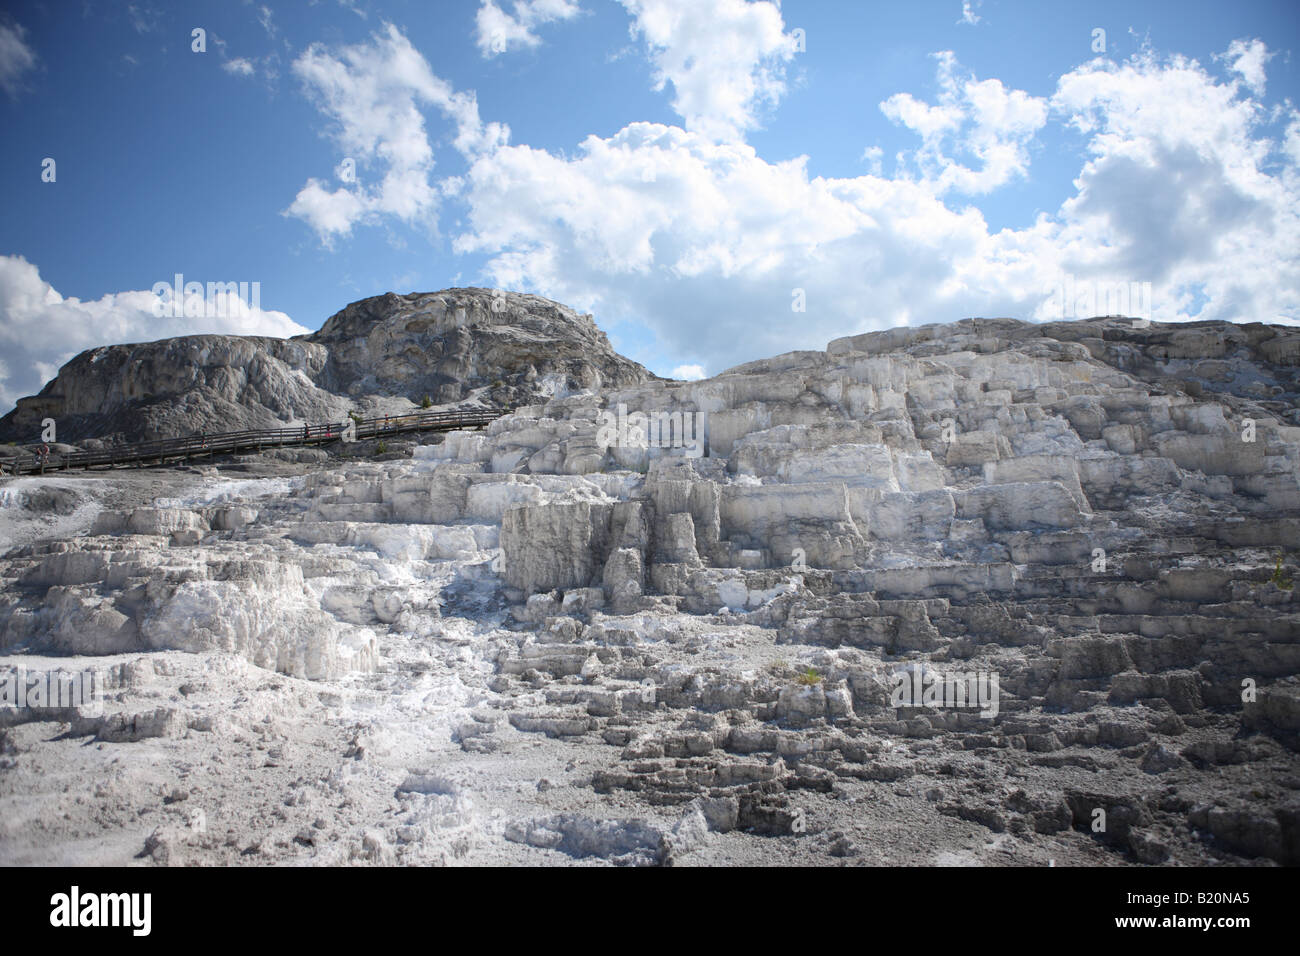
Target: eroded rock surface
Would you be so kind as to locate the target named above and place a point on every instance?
(543, 643)
(382, 355)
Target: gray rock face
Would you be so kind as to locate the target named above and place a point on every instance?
(179, 387)
(378, 356)
(448, 344)
(1025, 590)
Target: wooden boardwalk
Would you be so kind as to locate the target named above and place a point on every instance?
(171, 450)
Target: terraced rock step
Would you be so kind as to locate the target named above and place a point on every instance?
(529, 644)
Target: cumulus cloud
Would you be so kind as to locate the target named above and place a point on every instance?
(725, 59)
(239, 66)
(16, 57)
(715, 249)
(724, 255)
(41, 329)
(977, 118)
(706, 242)
(1247, 60)
(1291, 145)
(497, 31)
(373, 92)
(968, 14)
(1175, 190)
(688, 373)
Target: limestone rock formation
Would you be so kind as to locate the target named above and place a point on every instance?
(990, 582)
(378, 356)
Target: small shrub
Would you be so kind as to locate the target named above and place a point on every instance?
(810, 677)
(1278, 578)
(426, 402)
(381, 448)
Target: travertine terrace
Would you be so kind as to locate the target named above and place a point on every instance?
(549, 642)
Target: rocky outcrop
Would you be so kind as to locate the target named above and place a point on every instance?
(382, 355)
(1028, 588)
(449, 345)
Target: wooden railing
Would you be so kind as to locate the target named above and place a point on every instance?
(179, 449)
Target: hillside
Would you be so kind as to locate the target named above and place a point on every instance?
(382, 355)
(938, 595)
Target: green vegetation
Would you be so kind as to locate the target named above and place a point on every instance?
(1278, 578)
(810, 677)
(381, 448)
(426, 402)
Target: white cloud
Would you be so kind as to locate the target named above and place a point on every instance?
(264, 17)
(706, 242)
(872, 156)
(330, 213)
(40, 329)
(724, 58)
(144, 18)
(688, 373)
(980, 118)
(691, 233)
(16, 57)
(497, 31)
(968, 14)
(373, 92)
(239, 66)
(1248, 59)
(1291, 144)
(1175, 191)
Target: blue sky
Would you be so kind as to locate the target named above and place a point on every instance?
(683, 169)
